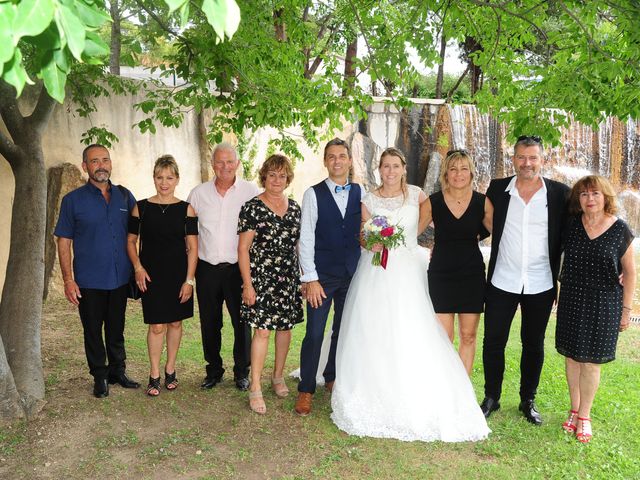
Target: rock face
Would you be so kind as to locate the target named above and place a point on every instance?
(629, 202)
(61, 180)
(428, 129)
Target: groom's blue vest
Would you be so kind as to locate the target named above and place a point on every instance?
(337, 245)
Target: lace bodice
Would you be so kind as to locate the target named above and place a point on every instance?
(400, 210)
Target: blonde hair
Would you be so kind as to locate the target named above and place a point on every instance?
(275, 163)
(394, 152)
(593, 182)
(166, 161)
(452, 157)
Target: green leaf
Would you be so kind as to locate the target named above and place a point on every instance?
(49, 39)
(15, 74)
(174, 4)
(232, 19)
(74, 30)
(54, 80)
(32, 17)
(90, 14)
(94, 48)
(215, 11)
(7, 14)
(61, 59)
(184, 14)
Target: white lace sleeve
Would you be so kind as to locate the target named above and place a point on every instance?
(368, 201)
(413, 197)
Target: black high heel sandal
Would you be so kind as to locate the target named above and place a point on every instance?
(153, 388)
(170, 381)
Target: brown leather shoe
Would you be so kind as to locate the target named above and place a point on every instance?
(303, 404)
(329, 386)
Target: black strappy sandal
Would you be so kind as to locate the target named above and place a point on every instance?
(153, 388)
(170, 381)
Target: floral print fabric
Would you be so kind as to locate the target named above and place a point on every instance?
(274, 266)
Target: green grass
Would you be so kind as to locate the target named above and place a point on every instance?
(212, 434)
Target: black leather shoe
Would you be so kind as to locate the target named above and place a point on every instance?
(210, 382)
(528, 408)
(242, 383)
(488, 406)
(101, 388)
(124, 381)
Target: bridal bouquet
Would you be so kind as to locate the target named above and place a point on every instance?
(378, 230)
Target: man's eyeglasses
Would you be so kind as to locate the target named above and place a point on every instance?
(534, 138)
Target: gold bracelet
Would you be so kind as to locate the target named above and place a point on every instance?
(137, 269)
(68, 280)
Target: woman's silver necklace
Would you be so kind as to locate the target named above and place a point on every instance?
(165, 207)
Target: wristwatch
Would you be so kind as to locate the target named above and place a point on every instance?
(190, 281)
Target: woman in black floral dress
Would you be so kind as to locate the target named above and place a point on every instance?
(593, 306)
(269, 229)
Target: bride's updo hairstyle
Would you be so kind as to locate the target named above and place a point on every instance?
(394, 152)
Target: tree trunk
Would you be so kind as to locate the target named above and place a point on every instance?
(21, 304)
(440, 77)
(349, 69)
(10, 407)
(279, 25)
(116, 40)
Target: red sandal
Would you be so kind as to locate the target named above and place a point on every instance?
(586, 435)
(568, 426)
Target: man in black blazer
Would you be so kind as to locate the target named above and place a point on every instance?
(528, 219)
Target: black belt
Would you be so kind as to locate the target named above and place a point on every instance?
(224, 265)
(218, 265)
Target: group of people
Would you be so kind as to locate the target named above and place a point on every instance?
(262, 255)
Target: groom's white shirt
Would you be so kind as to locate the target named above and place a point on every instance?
(308, 226)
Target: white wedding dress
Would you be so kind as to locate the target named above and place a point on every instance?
(398, 375)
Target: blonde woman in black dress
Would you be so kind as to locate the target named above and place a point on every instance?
(165, 268)
(456, 270)
(593, 307)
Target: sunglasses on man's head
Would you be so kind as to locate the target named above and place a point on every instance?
(534, 138)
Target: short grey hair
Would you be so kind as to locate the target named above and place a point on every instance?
(224, 146)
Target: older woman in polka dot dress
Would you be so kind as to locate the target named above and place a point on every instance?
(593, 306)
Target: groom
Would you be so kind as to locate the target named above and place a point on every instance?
(329, 253)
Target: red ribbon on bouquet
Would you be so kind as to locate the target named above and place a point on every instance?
(385, 256)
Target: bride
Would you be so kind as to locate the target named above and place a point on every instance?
(398, 375)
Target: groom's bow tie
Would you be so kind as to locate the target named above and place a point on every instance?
(346, 188)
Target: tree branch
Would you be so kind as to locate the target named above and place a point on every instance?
(7, 148)
(39, 118)
(590, 41)
(455, 87)
(502, 7)
(13, 119)
(318, 60)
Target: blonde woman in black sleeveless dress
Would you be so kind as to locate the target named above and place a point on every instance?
(461, 217)
(165, 268)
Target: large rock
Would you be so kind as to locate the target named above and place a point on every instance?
(61, 179)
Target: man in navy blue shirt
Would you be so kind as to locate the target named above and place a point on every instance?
(93, 221)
